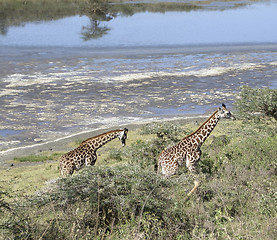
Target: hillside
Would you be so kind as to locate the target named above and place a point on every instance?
(122, 198)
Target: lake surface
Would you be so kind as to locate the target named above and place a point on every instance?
(253, 23)
(147, 67)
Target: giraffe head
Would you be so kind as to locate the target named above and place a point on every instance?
(123, 136)
(225, 113)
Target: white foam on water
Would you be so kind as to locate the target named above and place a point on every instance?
(25, 80)
(71, 77)
(207, 72)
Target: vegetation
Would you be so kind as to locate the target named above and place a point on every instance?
(122, 198)
(38, 158)
(254, 103)
(16, 12)
(127, 200)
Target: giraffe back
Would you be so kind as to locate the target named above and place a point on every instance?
(77, 158)
(171, 158)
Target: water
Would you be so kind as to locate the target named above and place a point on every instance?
(149, 66)
(253, 23)
(7, 132)
(49, 98)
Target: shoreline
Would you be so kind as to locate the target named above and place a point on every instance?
(61, 144)
(188, 87)
(45, 52)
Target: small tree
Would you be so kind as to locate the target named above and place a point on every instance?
(145, 153)
(257, 102)
(164, 131)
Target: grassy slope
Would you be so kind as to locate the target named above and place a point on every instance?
(31, 176)
(237, 198)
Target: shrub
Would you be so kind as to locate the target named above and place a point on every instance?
(115, 154)
(92, 203)
(257, 102)
(165, 130)
(145, 153)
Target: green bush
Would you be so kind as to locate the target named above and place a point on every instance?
(257, 102)
(93, 203)
(115, 154)
(163, 130)
(145, 152)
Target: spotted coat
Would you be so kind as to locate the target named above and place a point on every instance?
(188, 149)
(85, 153)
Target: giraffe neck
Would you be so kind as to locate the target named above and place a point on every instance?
(203, 132)
(100, 140)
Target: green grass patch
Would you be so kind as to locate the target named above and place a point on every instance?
(26, 180)
(38, 158)
(32, 158)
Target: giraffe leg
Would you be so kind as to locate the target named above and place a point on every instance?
(196, 184)
(191, 165)
(63, 169)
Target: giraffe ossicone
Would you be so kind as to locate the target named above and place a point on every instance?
(85, 153)
(188, 149)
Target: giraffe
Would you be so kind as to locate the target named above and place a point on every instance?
(85, 153)
(188, 149)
